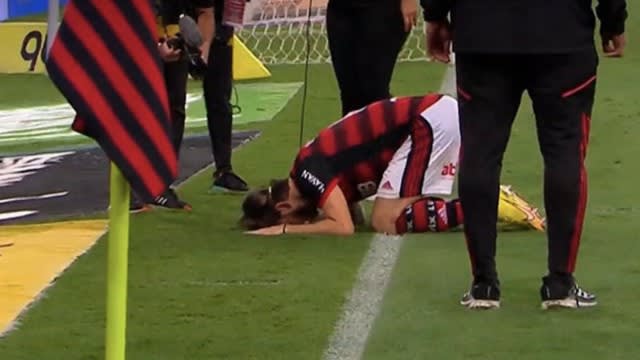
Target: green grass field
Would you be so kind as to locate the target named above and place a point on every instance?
(200, 289)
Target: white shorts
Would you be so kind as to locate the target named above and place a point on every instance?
(427, 161)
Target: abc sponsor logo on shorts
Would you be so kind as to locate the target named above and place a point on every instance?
(449, 169)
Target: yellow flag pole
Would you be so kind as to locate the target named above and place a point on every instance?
(117, 266)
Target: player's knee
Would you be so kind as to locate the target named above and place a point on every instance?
(382, 222)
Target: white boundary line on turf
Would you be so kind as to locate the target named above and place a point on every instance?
(359, 313)
(351, 332)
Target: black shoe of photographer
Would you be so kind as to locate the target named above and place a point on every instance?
(136, 205)
(170, 200)
(228, 181)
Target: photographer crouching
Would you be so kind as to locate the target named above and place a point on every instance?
(184, 48)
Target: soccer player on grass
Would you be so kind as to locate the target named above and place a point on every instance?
(402, 150)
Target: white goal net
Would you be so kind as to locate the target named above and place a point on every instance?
(275, 31)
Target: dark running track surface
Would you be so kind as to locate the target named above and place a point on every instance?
(84, 175)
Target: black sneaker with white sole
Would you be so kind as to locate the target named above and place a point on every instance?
(559, 295)
(228, 181)
(170, 200)
(483, 295)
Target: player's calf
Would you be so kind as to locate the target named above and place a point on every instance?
(429, 214)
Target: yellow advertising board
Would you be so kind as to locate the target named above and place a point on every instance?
(25, 44)
(23, 47)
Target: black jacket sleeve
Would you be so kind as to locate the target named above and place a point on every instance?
(612, 15)
(436, 10)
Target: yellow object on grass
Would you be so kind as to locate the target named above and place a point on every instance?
(32, 256)
(514, 210)
(245, 64)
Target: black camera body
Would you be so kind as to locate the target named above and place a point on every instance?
(197, 66)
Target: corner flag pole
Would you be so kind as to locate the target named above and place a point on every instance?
(118, 241)
(53, 16)
(117, 266)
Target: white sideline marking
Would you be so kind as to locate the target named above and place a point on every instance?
(48, 122)
(359, 313)
(16, 214)
(350, 335)
(35, 197)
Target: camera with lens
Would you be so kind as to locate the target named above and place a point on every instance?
(197, 66)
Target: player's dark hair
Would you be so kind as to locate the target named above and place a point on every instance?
(259, 207)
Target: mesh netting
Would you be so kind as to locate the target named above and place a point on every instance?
(275, 31)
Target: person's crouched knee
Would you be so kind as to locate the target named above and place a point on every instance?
(382, 223)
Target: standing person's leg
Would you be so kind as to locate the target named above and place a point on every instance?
(217, 84)
(381, 36)
(489, 94)
(562, 88)
(175, 75)
(342, 44)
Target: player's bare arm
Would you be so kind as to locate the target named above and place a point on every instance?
(336, 219)
(289, 219)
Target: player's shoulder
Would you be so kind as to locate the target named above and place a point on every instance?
(448, 101)
(433, 99)
(441, 107)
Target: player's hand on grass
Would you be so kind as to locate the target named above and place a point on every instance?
(409, 10)
(439, 40)
(271, 230)
(613, 45)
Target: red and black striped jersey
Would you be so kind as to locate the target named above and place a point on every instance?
(354, 152)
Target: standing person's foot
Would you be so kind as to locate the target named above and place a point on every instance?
(170, 200)
(225, 181)
(482, 295)
(136, 205)
(556, 293)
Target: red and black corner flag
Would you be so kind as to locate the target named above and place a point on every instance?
(105, 62)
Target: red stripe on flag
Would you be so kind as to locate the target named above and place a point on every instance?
(123, 30)
(148, 16)
(123, 86)
(113, 129)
